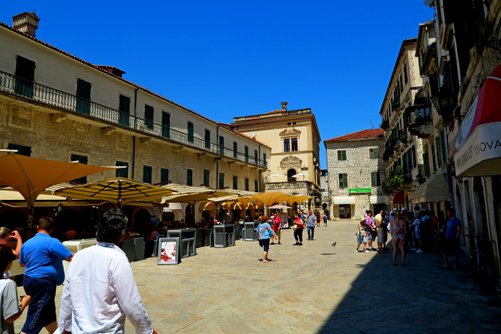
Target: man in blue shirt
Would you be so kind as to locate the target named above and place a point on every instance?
(452, 234)
(312, 220)
(42, 256)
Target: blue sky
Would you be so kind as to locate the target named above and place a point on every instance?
(226, 58)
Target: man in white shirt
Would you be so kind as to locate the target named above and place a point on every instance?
(99, 289)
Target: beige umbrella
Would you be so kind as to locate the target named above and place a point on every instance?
(31, 176)
(117, 190)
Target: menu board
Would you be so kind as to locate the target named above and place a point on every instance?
(168, 250)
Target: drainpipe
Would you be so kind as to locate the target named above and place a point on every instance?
(133, 162)
(217, 161)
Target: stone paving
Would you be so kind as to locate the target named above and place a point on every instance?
(314, 288)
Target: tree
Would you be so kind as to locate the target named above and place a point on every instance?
(394, 180)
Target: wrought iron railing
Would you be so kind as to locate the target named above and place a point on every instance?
(55, 98)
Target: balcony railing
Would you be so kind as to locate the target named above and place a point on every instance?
(58, 99)
(293, 185)
(420, 120)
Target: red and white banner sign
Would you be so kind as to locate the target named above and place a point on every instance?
(478, 146)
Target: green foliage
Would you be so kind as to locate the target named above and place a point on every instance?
(393, 181)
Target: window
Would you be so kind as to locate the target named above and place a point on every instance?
(343, 180)
(25, 77)
(235, 149)
(341, 155)
(165, 124)
(122, 172)
(246, 184)
(246, 153)
(206, 178)
(164, 176)
(373, 153)
(287, 145)
(264, 159)
(235, 182)
(147, 174)
(22, 150)
(83, 160)
(123, 110)
(221, 145)
(256, 186)
(221, 181)
(256, 156)
(190, 132)
(83, 96)
(148, 116)
(375, 179)
(294, 144)
(207, 139)
(189, 177)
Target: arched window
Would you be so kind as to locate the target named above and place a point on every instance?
(290, 173)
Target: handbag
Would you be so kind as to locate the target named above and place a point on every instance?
(294, 227)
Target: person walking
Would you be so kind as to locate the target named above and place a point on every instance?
(42, 256)
(324, 218)
(312, 220)
(99, 290)
(264, 234)
(10, 308)
(452, 234)
(398, 232)
(277, 227)
(361, 235)
(298, 232)
(379, 220)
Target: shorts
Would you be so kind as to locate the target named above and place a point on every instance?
(42, 308)
(265, 243)
(361, 239)
(452, 246)
(380, 234)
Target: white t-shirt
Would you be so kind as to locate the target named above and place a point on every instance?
(10, 304)
(100, 292)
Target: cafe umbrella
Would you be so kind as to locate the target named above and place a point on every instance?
(31, 176)
(118, 191)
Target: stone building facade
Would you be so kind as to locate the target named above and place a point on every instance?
(354, 167)
(293, 136)
(54, 105)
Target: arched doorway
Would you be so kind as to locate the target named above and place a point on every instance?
(290, 173)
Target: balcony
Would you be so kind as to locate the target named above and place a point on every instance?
(419, 120)
(52, 98)
(299, 187)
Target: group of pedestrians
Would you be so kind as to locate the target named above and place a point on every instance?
(99, 288)
(417, 231)
(269, 230)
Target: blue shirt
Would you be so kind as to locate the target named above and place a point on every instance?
(312, 220)
(264, 231)
(451, 230)
(43, 256)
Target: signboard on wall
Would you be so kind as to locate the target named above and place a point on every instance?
(359, 190)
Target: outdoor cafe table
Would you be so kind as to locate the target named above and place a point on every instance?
(187, 239)
(224, 235)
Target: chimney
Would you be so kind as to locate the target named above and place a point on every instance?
(112, 69)
(26, 23)
(284, 106)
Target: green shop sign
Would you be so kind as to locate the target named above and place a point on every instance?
(359, 190)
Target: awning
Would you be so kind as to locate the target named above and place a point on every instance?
(398, 197)
(435, 189)
(344, 200)
(377, 199)
(478, 145)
